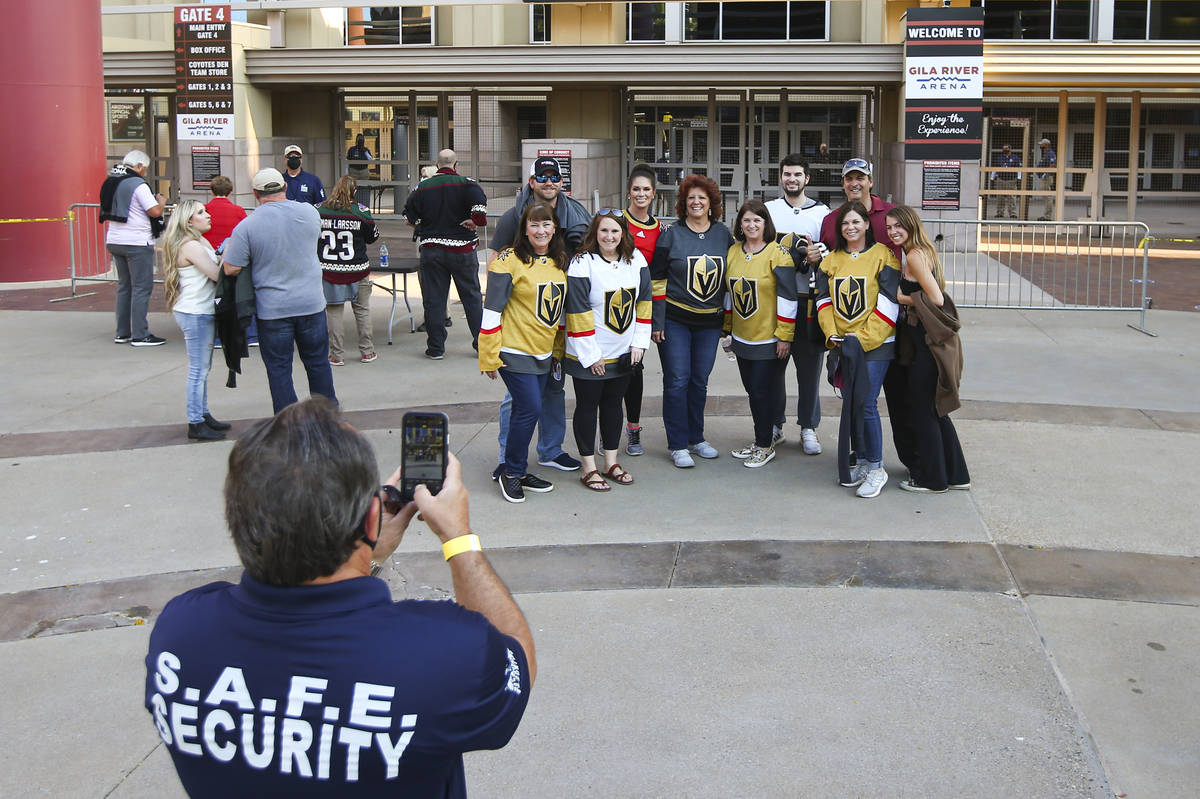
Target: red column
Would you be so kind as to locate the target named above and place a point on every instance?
(52, 79)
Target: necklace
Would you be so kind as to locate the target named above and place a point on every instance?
(749, 254)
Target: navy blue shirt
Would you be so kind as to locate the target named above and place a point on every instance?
(304, 188)
(330, 690)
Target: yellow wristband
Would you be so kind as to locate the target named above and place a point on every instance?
(461, 544)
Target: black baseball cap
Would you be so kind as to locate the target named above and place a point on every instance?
(545, 164)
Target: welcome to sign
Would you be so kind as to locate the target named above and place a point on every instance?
(943, 83)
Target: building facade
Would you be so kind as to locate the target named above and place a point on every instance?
(723, 88)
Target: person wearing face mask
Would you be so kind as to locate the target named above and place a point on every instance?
(304, 187)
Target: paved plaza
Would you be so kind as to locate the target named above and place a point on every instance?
(714, 632)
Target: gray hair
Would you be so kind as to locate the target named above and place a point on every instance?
(136, 158)
(297, 492)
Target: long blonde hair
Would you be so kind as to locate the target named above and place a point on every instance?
(179, 232)
(918, 239)
(341, 196)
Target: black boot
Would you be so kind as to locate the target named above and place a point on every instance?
(202, 432)
(214, 424)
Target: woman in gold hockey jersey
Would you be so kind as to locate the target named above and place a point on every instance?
(857, 309)
(608, 331)
(521, 337)
(760, 315)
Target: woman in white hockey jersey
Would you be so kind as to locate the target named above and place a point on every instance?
(608, 331)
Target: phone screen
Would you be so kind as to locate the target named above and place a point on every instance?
(423, 454)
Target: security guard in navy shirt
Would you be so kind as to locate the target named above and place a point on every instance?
(304, 187)
(306, 678)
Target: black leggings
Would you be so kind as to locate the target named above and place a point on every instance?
(762, 380)
(633, 398)
(598, 397)
(940, 458)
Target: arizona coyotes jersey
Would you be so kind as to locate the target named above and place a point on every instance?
(645, 236)
(856, 293)
(760, 300)
(608, 310)
(345, 234)
(688, 274)
(522, 315)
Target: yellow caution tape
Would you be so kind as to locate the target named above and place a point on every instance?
(37, 219)
(1142, 243)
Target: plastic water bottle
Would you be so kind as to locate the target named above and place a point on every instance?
(383, 256)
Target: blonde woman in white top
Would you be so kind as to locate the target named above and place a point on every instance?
(191, 269)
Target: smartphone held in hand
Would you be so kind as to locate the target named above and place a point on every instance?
(426, 440)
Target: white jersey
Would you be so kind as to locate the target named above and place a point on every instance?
(805, 220)
(608, 310)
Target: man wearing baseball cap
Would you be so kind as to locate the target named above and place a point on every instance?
(278, 244)
(304, 187)
(1044, 181)
(545, 185)
(856, 185)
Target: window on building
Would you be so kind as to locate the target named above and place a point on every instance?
(539, 23)
(390, 25)
(1156, 19)
(1036, 19)
(646, 22)
(797, 19)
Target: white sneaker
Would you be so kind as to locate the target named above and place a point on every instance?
(873, 484)
(808, 439)
(704, 450)
(761, 456)
(777, 436)
(682, 459)
(741, 453)
(858, 473)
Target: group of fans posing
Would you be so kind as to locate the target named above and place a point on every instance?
(860, 288)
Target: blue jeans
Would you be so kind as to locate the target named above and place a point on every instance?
(687, 356)
(310, 337)
(135, 282)
(552, 425)
(198, 330)
(872, 428)
(526, 391)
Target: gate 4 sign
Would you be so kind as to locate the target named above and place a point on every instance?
(203, 73)
(943, 83)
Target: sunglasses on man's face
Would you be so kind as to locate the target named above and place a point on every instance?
(550, 178)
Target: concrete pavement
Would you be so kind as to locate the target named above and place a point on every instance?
(713, 632)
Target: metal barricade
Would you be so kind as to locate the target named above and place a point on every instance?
(90, 259)
(1095, 266)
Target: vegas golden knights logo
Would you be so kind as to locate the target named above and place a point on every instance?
(550, 303)
(744, 294)
(705, 273)
(850, 297)
(618, 310)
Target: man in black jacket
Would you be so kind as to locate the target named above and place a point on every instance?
(446, 209)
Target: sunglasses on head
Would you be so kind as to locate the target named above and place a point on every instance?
(615, 213)
(551, 178)
(857, 163)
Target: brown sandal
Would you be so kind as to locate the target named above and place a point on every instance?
(619, 475)
(597, 484)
